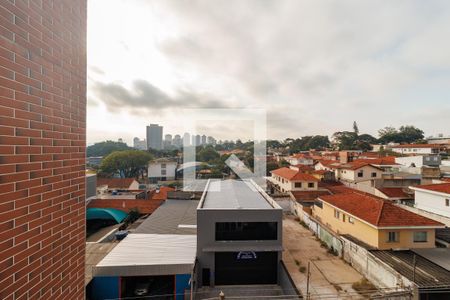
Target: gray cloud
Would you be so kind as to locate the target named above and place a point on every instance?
(145, 96)
(314, 65)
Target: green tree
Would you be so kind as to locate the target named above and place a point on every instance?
(345, 140)
(355, 128)
(405, 134)
(105, 148)
(128, 163)
(410, 134)
(207, 154)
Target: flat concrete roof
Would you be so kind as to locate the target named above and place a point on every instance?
(171, 218)
(150, 254)
(235, 194)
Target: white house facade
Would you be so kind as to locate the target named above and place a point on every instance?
(162, 170)
(433, 198)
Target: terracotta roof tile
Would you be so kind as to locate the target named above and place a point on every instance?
(395, 192)
(308, 195)
(439, 187)
(355, 165)
(388, 160)
(291, 175)
(162, 194)
(376, 211)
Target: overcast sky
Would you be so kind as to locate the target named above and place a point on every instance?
(315, 66)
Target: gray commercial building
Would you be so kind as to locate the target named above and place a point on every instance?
(154, 137)
(239, 235)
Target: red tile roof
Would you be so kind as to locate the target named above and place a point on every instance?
(355, 165)
(328, 163)
(162, 194)
(291, 175)
(308, 195)
(388, 160)
(115, 183)
(319, 172)
(395, 192)
(439, 187)
(376, 211)
(303, 168)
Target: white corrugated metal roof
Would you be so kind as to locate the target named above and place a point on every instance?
(150, 254)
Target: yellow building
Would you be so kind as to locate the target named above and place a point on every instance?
(375, 221)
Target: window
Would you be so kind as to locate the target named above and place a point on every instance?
(246, 231)
(447, 202)
(163, 172)
(360, 173)
(420, 237)
(310, 184)
(336, 214)
(298, 184)
(351, 220)
(343, 217)
(393, 236)
(374, 174)
(163, 166)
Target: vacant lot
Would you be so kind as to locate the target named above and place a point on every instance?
(330, 276)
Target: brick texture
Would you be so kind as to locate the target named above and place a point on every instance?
(42, 148)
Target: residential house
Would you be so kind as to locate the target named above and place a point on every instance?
(375, 222)
(357, 172)
(433, 198)
(419, 148)
(286, 180)
(162, 169)
(326, 164)
(419, 161)
(300, 158)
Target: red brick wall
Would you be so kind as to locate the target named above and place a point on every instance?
(144, 206)
(42, 148)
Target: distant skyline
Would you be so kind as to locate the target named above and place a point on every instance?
(316, 66)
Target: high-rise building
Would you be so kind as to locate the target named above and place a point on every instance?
(177, 141)
(154, 137)
(197, 140)
(42, 149)
(139, 144)
(167, 141)
(203, 141)
(186, 139)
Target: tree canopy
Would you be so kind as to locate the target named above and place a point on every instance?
(207, 154)
(128, 163)
(105, 148)
(405, 134)
(306, 143)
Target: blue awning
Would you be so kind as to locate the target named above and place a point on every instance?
(105, 214)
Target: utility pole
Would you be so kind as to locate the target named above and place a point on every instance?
(307, 280)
